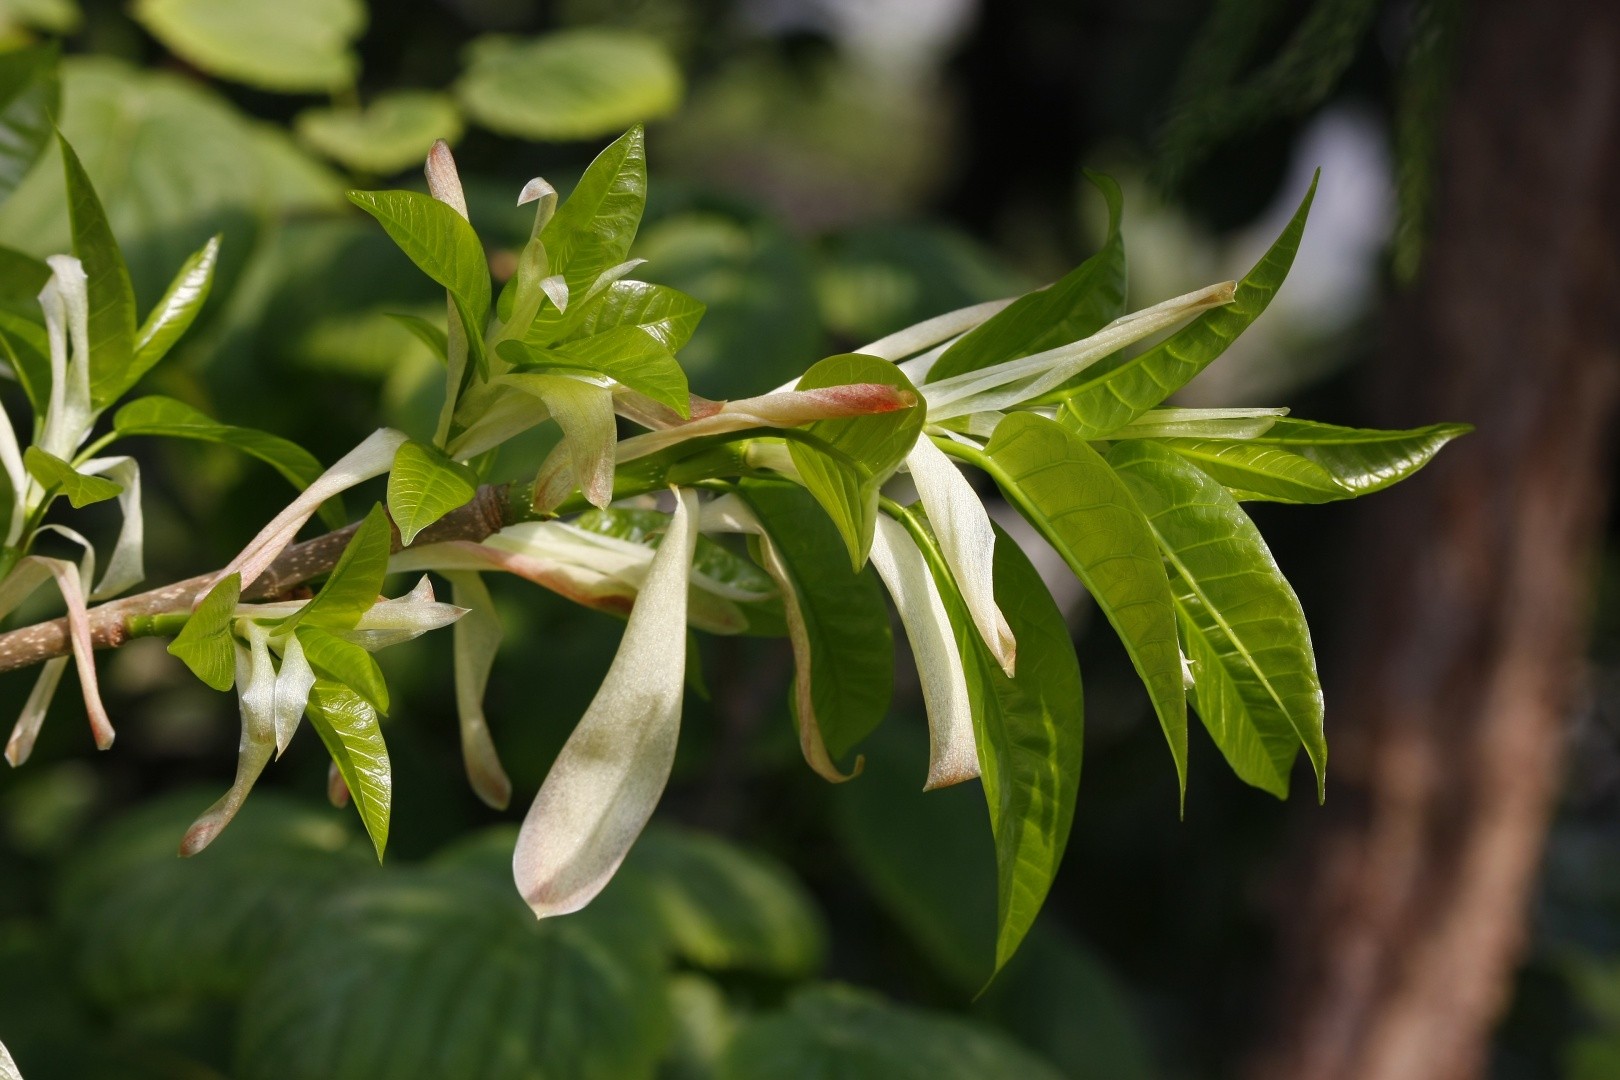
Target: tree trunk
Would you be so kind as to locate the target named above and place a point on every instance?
(1470, 610)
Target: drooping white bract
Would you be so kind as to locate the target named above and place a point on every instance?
(255, 679)
(65, 302)
(477, 639)
(127, 567)
(610, 774)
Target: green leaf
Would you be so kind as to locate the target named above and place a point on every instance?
(711, 560)
(443, 972)
(347, 724)
(667, 314)
(30, 95)
(868, 449)
(174, 313)
(1068, 492)
(289, 46)
(592, 230)
(157, 415)
(851, 644)
(1084, 301)
(1116, 391)
(837, 1031)
(726, 908)
(1254, 672)
(392, 133)
(572, 84)
(345, 663)
(57, 475)
(112, 297)
(424, 485)
(1298, 461)
(1029, 730)
(352, 587)
(205, 644)
(627, 354)
(440, 242)
(149, 927)
(437, 341)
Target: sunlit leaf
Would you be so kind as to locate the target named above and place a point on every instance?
(627, 354)
(205, 644)
(290, 46)
(345, 663)
(54, 474)
(393, 132)
(347, 724)
(354, 583)
(424, 485)
(173, 314)
(592, 230)
(439, 241)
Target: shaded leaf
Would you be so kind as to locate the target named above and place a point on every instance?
(348, 725)
(112, 297)
(393, 132)
(54, 474)
(29, 97)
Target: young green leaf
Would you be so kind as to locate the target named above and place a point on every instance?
(174, 313)
(442, 245)
(1068, 492)
(669, 315)
(54, 474)
(1084, 301)
(1028, 729)
(347, 724)
(1298, 461)
(424, 485)
(1254, 672)
(112, 297)
(352, 588)
(345, 663)
(29, 98)
(205, 644)
(592, 230)
(1113, 393)
(629, 355)
(157, 415)
(868, 448)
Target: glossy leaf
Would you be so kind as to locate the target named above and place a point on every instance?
(1029, 730)
(290, 46)
(1068, 492)
(1113, 393)
(668, 315)
(392, 133)
(205, 644)
(848, 672)
(440, 242)
(165, 416)
(1254, 672)
(354, 583)
(54, 474)
(345, 663)
(1084, 301)
(1298, 461)
(424, 485)
(837, 1031)
(347, 724)
(570, 84)
(628, 355)
(174, 313)
(868, 449)
(112, 297)
(30, 96)
(592, 230)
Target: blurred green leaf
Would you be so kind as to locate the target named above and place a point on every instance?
(290, 46)
(726, 908)
(1254, 673)
(424, 485)
(205, 644)
(572, 84)
(348, 725)
(837, 1031)
(30, 95)
(344, 662)
(56, 16)
(55, 474)
(703, 1023)
(862, 451)
(592, 230)
(392, 133)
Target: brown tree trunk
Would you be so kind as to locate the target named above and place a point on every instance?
(1473, 584)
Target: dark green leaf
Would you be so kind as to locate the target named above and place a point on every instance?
(1254, 673)
(57, 475)
(627, 354)
(851, 645)
(1071, 496)
(1084, 301)
(29, 97)
(346, 663)
(1297, 461)
(165, 416)
(348, 725)
(175, 312)
(1029, 730)
(1116, 391)
(205, 644)
(424, 485)
(352, 587)
(112, 297)
(592, 230)
(868, 449)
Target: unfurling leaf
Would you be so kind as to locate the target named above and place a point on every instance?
(175, 312)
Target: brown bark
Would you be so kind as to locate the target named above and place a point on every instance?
(1473, 581)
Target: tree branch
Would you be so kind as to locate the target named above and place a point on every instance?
(487, 513)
